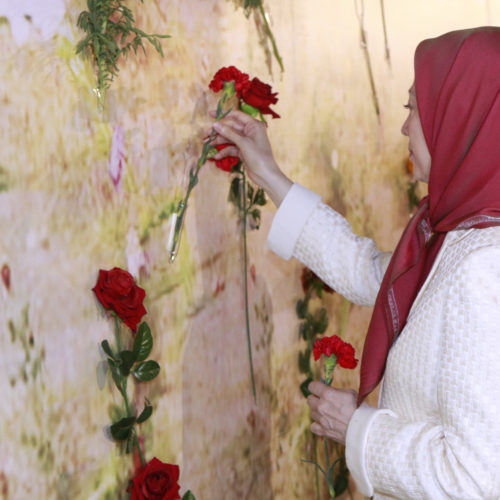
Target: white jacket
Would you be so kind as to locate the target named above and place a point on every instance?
(436, 433)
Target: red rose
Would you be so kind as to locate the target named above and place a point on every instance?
(258, 94)
(334, 345)
(116, 290)
(156, 481)
(229, 162)
(230, 74)
(310, 279)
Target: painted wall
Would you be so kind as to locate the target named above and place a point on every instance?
(61, 219)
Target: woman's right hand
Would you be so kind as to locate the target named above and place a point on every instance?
(252, 145)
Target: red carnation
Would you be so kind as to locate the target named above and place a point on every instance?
(259, 95)
(229, 162)
(155, 481)
(334, 345)
(230, 74)
(116, 291)
(311, 280)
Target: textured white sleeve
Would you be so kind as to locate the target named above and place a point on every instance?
(357, 435)
(455, 452)
(322, 240)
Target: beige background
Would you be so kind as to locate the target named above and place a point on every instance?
(61, 220)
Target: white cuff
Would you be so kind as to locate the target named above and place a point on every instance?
(290, 218)
(357, 436)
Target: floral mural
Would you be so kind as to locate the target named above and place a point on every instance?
(91, 181)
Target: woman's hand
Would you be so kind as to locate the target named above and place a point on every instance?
(331, 410)
(252, 145)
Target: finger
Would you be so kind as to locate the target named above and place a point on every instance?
(313, 402)
(229, 151)
(218, 140)
(318, 388)
(317, 429)
(212, 113)
(239, 117)
(228, 132)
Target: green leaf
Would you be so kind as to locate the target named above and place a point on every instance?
(107, 349)
(122, 429)
(256, 216)
(143, 342)
(301, 308)
(145, 414)
(321, 321)
(305, 361)
(305, 330)
(127, 360)
(234, 192)
(147, 370)
(250, 191)
(341, 481)
(260, 197)
(304, 385)
(188, 496)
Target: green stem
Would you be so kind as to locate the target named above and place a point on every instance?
(193, 180)
(245, 278)
(124, 387)
(122, 378)
(315, 444)
(329, 474)
(143, 460)
(271, 37)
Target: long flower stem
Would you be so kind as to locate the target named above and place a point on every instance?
(316, 470)
(193, 180)
(245, 278)
(329, 474)
(124, 388)
(271, 36)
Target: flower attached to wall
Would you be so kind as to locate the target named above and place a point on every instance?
(310, 281)
(110, 36)
(254, 98)
(155, 481)
(118, 293)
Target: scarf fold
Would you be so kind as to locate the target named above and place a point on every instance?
(457, 85)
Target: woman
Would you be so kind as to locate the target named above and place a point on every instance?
(434, 335)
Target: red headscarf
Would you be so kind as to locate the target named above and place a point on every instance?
(457, 86)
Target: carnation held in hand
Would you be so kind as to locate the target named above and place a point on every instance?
(259, 95)
(229, 162)
(230, 74)
(335, 346)
(156, 481)
(116, 291)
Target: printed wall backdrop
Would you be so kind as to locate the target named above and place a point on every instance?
(62, 218)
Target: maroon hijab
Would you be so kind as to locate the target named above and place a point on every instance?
(457, 85)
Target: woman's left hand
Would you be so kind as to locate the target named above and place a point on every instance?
(331, 410)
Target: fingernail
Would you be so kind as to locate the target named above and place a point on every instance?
(216, 126)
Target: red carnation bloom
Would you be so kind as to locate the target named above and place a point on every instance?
(229, 162)
(259, 95)
(116, 290)
(156, 481)
(312, 280)
(230, 74)
(334, 345)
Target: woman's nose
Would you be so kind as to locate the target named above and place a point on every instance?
(404, 128)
